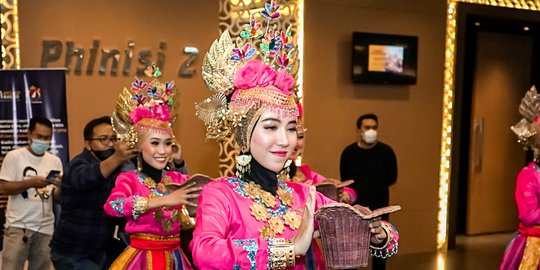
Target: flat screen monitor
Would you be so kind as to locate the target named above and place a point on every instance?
(384, 59)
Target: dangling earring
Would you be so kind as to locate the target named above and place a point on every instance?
(284, 173)
(243, 164)
(139, 163)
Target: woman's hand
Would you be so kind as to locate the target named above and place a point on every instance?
(177, 197)
(302, 241)
(181, 196)
(345, 198)
(177, 153)
(378, 235)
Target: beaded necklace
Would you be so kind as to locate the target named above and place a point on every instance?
(160, 190)
(275, 213)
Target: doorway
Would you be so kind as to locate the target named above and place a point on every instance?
(495, 65)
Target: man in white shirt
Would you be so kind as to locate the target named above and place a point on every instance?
(29, 214)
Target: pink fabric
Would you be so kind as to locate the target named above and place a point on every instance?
(141, 259)
(317, 178)
(127, 186)
(258, 74)
(527, 196)
(284, 80)
(158, 112)
(227, 235)
(514, 253)
(300, 110)
(528, 200)
(120, 204)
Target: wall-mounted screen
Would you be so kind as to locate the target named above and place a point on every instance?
(384, 59)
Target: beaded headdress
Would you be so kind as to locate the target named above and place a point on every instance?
(524, 129)
(300, 128)
(145, 107)
(247, 81)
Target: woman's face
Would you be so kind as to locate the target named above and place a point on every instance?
(156, 149)
(273, 140)
(299, 149)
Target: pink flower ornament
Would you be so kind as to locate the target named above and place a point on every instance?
(158, 112)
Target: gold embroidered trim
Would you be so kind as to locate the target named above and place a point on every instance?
(531, 254)
(154, 237)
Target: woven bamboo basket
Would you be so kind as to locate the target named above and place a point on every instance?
(345, 236)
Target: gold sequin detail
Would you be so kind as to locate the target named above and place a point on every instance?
(264, 203)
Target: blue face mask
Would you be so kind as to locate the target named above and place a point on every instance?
(39, 147)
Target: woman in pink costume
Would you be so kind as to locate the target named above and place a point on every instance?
(522, 252)
(255, 220)
(152, 210)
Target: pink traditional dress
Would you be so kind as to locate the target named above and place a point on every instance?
(522, 252)
(235, 224)
(154, 234)
(232, 222)
(304, 173)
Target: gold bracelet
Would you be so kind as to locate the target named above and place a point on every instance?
(281, 253)
(140, 206)
(389, 236)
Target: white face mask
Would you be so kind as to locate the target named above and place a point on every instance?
(370, 136)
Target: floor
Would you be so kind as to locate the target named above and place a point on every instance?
(472, 252)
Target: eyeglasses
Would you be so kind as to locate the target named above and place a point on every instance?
(106, 140)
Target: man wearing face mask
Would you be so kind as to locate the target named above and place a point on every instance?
(29, 214)
(84, 230)
(373, 166)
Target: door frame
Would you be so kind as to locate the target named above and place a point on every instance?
(467, 14)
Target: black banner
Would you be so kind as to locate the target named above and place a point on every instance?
(33, 92)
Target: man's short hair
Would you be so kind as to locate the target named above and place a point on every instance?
(364, 117)
(38, 120)
(89, 128)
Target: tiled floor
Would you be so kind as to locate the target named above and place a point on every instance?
(472, 253)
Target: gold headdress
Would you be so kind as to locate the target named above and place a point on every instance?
(146, 106)
(524, 129)
(246, 81)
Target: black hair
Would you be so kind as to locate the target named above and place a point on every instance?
(89, 128)
(38, 120)
(364, 117)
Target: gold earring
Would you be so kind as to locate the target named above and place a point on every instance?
(284, 173)
(243, 164)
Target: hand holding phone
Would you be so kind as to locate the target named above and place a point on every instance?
(52, 175)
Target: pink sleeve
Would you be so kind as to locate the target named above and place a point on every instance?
(526, 197)
(321, 200)
(178, 177)
(393, 231)
(316, 177)
(212, 246)
(120, 201)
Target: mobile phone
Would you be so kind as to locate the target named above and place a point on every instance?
(52, 175)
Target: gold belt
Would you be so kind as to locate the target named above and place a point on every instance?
(154, 237)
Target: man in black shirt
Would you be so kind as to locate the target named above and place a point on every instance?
(84, 231)
(373, 166)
